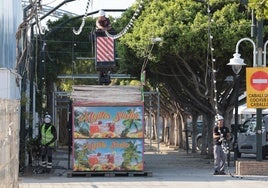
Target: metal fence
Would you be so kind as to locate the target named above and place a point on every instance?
(9, 143)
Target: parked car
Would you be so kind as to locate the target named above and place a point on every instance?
(246, 137)
(190, 127)
(198, 138)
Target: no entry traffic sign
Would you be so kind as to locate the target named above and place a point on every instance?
(259, 80)
(257, 87)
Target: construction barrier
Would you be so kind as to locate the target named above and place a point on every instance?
(9, 143)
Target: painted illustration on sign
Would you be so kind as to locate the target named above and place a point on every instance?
(108, 122)
(108, 155)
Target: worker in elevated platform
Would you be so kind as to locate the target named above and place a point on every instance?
(103, 23)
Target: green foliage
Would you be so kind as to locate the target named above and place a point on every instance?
(135, 83)
(24, 99)
(64, 47)
(260, 8)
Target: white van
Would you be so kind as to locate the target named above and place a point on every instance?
(246, 137)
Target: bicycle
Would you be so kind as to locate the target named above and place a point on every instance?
(226, 149)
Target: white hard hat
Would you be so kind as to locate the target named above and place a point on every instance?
(219, 117)
(101, 13)
(47, 119)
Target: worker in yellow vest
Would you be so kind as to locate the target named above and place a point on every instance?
(48, 136)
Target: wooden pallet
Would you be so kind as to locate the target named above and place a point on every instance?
(109, 174)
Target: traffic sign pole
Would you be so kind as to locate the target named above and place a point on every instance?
(259, 110)
(257, 97)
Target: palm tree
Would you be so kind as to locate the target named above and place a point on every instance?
(130, 154)
(128, 123)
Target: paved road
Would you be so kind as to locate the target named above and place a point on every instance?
(170, 168)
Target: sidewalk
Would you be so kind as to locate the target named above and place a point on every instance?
(171, 168)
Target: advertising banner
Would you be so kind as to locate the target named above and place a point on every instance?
(108, 155)
(108, 122)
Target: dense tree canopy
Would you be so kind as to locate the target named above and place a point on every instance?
(182, 61)
(260, 8)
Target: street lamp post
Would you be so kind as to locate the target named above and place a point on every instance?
(143, 72)
(236, 62)
(143, 79)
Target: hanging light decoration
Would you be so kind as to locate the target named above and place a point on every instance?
(213, 61)
(121, 33)
(129, 25)
(83, 21)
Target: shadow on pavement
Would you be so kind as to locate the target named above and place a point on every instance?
(168, 164)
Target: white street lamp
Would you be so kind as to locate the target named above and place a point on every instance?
(157, 39)
(237, 63)
(153, 41)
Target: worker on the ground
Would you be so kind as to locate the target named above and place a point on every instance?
(48, 136)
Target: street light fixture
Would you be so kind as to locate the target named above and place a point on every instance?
(143, 75)
(157, 39)
(237, 63)
(153, 41)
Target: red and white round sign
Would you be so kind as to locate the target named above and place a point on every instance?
(259, 80)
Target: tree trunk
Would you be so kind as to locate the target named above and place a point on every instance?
(204, 135)
(194, 131)
(165, 131)
(156, 128)
(162, 123)
(211, 124)
(181, 136)
(172, 130)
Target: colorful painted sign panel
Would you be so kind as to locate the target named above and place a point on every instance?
(108, 122)
(108, 155)
(257, 87)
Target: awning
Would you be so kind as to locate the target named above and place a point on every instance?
(244, 110)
